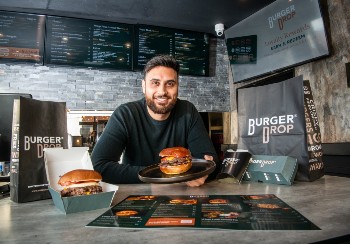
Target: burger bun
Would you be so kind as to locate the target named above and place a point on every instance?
(79, 176)
(178, 152)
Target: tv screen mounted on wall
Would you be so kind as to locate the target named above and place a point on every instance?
(190, 48)
(88, 43)
(21, 37)
(282, 35)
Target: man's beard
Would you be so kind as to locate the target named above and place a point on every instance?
(160, 110)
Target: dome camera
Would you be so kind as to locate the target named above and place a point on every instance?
(219, 28)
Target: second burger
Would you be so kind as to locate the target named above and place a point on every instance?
(80, 182)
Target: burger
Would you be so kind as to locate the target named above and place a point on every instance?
(183, 201)
(212, 214)
(267, 205)
(141, 198)
(218, 201)
(80, 182)
(175, 160)
(124, 213)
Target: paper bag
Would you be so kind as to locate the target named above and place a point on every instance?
(36, 125)
(279, 120)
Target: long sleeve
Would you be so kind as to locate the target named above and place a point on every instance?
(132, 132)
(106, 156)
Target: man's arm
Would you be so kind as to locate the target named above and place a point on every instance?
(108, 150)
(199, 142)
(200, 145)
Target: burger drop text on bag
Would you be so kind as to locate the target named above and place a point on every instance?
(275, 125)
(42, 142)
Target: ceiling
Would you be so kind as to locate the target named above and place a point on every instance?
(195, 15)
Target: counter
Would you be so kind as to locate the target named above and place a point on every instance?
(325, 202)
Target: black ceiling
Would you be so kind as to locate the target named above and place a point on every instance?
(195, 15)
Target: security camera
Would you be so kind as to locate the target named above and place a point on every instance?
(219, 28)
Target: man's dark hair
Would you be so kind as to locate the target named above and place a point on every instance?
(162, 60)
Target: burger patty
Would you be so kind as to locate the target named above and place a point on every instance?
(79, 191)
(174, 162)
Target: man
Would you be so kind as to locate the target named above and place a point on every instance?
(140, 130)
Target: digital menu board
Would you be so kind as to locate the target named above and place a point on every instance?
(98, 44)
(88, 43)
(21, 37)
(191, 49)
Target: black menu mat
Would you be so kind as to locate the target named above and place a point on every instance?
(240, 212)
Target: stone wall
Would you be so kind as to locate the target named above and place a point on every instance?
(92, 89)
(328, 77)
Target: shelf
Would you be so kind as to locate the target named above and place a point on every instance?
(214, 128)
(215, 122)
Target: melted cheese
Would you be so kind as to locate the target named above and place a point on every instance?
(84, 184)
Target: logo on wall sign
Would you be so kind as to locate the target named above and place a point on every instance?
(282, 124)
(282, 16)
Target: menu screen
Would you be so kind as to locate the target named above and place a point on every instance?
(21, 37)
(191, 49)
(88, 43)
(241, 212)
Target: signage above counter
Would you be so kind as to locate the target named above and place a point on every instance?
(98, 44)
(282, 35)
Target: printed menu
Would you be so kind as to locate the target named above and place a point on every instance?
(240, 212)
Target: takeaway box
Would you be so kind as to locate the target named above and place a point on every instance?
(59, 161)
(271, 169)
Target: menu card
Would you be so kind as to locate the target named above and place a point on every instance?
(240, 212)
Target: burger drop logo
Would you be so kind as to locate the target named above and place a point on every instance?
(42, 142)
(281, 124)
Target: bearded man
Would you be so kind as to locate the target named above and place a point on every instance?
(139, 130)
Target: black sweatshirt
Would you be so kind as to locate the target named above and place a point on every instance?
(132, 131)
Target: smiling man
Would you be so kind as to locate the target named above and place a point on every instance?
(160, 87)
(141, 129)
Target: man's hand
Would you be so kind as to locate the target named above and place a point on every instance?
(200, 181)
(207, 157)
